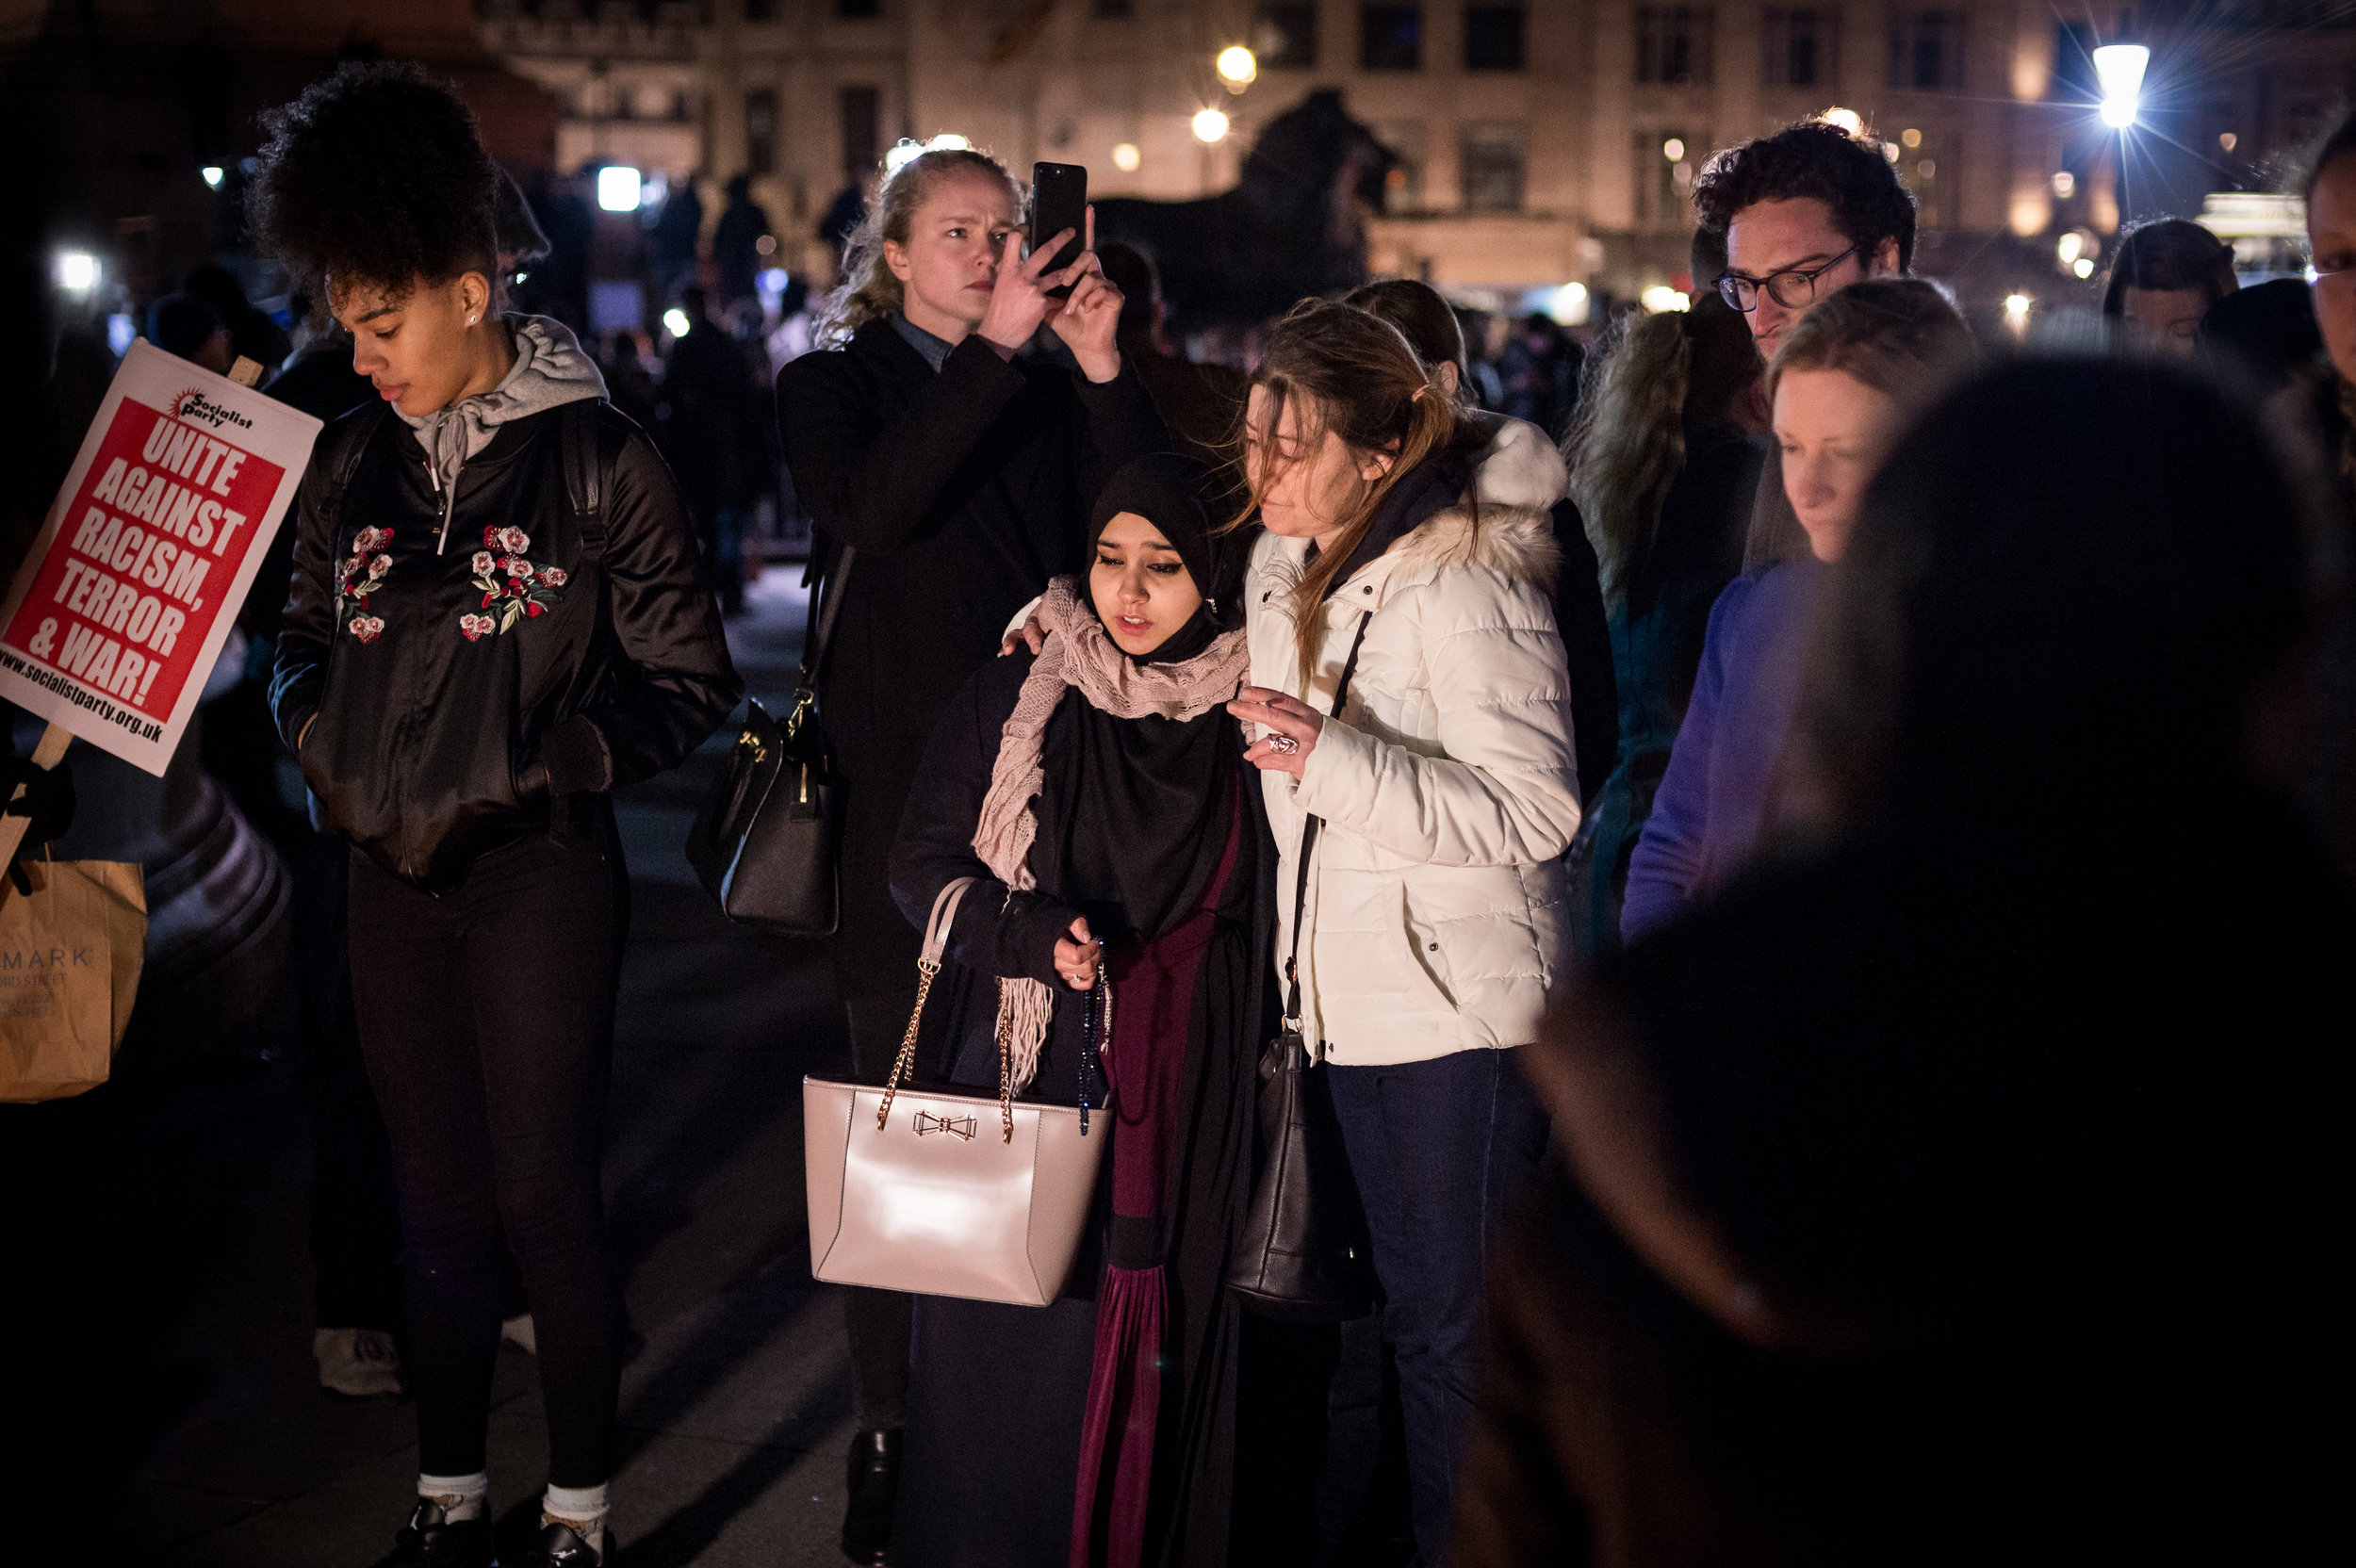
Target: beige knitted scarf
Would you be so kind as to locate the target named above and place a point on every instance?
(1078, 652)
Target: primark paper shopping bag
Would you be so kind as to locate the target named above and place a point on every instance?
(70, 953)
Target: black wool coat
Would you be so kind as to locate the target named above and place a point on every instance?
(998, 1396)
(962, 492)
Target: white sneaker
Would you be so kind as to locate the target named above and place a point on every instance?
(519, 1332)
(359, 1363)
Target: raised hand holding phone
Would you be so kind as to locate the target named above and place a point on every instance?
(1090, 321)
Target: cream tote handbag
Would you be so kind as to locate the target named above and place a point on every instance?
(945, 1194)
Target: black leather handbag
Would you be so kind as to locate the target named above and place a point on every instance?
(1303, 1256)
(767, 842)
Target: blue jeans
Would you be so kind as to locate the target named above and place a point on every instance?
(1441, 1151)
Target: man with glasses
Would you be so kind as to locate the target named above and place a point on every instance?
(1802, 213)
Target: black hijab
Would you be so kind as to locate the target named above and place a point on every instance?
(1150, 798)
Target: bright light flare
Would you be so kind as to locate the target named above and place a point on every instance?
(906, 151)
(1848, 120)
(1210, 125)
(1660, 298)
(676, 320)
(2016, 308)
(620, 187)
(2070, 247)
(1568, 304)
(2120, 67)
(1238, 67)
(77, 271)
(2083, 267)
(1673, 150)
(213, 173)
(1126, 157)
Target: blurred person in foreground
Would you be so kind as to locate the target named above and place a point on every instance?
(1803, 214)
(1842, 386)
(2168, 274)
(1666, 452)
(1950, 1190)
(2331, 401)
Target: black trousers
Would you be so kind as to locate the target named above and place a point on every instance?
(486, 1015)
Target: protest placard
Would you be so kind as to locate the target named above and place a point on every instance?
(113, 623)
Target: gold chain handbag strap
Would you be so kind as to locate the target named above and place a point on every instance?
(927, 965)
(1006, 1067)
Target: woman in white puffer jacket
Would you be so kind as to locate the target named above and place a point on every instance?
(1446, 791)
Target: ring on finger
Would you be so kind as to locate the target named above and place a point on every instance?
(1284, 745)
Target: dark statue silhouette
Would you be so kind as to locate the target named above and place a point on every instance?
(1294, 225)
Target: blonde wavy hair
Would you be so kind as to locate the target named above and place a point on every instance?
(869, 291)
(1627, 444)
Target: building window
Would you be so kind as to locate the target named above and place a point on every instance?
(859, 10)
(1492, 37)
(1673, 45)
(1665, 161)
(1390, 38)
(1286, 38)
(1926, 51)
(1926, 166)
(761, 130)
(1803, 48)
(1489, 167)
(1402, 188)
(860, 110)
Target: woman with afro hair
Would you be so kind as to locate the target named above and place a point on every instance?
(496, 617)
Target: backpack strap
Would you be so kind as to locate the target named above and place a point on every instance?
(342, 461)
(588, 478)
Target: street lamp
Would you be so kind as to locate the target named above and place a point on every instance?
(1237, 67)
(618, 188)
(2120, 67)
(1210, 125)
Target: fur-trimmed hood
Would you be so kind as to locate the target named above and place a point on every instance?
(1516, 542)
(1519, 466)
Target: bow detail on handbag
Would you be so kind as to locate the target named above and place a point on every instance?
(958, 1126)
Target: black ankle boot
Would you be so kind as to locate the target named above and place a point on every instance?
(874, 1488)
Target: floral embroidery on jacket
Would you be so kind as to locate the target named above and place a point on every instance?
(357, 577)
(514, 589)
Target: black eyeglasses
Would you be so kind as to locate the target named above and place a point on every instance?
(1790, 289)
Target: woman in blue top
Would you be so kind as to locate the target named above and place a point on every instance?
(1844, 382)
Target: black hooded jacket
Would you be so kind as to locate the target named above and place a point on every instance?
(449, 715)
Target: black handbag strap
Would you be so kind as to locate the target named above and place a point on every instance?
(826, 608)
(1309, 826)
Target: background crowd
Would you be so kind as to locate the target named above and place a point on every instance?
(1816, 850)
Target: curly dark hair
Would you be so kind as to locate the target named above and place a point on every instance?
(1815, 158)
(375, 174)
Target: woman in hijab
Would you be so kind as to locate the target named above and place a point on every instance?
(1096, 789)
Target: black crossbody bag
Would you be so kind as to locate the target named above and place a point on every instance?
(767, 842)
(1303, 1257)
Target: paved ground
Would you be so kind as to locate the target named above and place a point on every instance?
(170, 1351)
